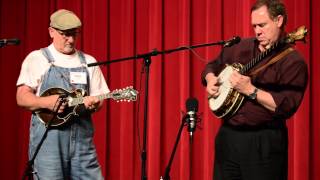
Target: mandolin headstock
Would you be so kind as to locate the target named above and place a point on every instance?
(125, 94)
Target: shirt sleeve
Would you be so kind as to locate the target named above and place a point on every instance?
(98, 84)
(289, 94)
(32, 69)
(215, 66)
(228, 55)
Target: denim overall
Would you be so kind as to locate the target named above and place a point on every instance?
(67, 152)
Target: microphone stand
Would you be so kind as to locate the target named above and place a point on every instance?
(29, 168)
(147, 61)
(166, 175)
(190, 155)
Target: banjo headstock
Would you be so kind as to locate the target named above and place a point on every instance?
(298, 35)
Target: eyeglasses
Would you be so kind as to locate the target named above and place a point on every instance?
(68, 33)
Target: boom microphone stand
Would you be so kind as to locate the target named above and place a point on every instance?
(147, 61)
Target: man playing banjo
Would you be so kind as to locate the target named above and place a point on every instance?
(252, 142)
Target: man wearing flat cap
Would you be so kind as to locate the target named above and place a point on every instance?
(68, 151)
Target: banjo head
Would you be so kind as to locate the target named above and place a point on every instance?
(224, 88)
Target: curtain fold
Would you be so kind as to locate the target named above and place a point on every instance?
(116, 29)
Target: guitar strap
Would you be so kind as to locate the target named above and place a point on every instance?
(272, 61)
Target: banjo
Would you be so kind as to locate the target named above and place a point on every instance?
(74, 100)
(229, 100)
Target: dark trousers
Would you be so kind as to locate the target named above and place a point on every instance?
(251, 154)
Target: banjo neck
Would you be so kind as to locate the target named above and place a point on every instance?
(298, 35)
(247, 67)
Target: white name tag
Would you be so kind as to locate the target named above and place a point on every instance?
(78, 78)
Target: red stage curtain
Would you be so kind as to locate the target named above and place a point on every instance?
(121, 28)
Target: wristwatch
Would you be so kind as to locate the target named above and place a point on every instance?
(253, 95)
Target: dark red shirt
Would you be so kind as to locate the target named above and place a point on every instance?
(285, 80)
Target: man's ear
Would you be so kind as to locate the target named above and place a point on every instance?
(279, 20)
(51, 31)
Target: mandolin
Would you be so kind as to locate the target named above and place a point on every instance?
(74, 101)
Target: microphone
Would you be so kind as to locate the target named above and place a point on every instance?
(192, 109)
(4, 42)
(232, 41)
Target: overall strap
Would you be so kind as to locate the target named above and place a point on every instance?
(47, 54)
(82, 58)
(84, 65)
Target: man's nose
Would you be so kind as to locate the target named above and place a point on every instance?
(258, 31)
(71, 38)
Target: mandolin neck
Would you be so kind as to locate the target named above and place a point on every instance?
(79, 100)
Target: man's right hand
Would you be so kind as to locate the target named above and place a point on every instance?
(212, 85)
(53, 103)
(26, 98)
